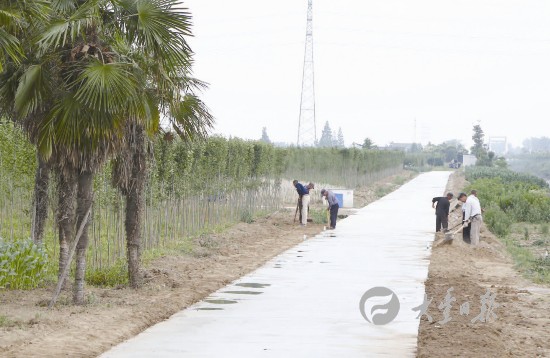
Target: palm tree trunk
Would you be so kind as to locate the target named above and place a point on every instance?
(134, 202)
(66, 190)
(40, 204)
(84, 201)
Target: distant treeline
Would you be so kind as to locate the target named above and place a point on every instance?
(218, 163)
(535, 164)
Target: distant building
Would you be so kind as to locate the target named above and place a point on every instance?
(406, 147)
(498, 145)
(469, 159)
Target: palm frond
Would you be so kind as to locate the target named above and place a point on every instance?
(151, 114)
(160, 30)
(9, 17)
(191, 118)
(33, 10)
(9, 47)
(64, 6)
(33, 85)
(9, 81)
(106, 87)
(64, 30)
(76, 128)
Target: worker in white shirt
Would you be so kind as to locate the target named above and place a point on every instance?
(472, 216)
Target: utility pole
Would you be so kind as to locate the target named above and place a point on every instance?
(414, 131)
(307, 131)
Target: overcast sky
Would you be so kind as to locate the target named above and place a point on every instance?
(379, 65)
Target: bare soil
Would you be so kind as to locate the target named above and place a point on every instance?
(172, 283)
(521, 327)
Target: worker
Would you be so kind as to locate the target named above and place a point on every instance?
(332, 206)
(472, 214)
(465, 229)
(303, 201)
(441, 205)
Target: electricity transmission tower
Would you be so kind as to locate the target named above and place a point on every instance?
(307, 131)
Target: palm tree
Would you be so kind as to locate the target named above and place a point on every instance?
(191, 119)
(163, 60)
(97, 70)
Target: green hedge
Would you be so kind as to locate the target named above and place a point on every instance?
(509, 197)
(509, 176)
(213, 166)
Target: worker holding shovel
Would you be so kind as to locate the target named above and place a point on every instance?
(332, 206)
(472, 216)
(441, 205)
(466, 225)
(303, 201)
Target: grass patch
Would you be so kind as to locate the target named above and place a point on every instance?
(110, 276)
(381, 191)
(540, 242)
(6, 322)
(528, 256)
(541, 270)
(319, 216)
(399, 180)
(247, 217)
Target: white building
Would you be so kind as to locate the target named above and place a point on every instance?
(469, 159)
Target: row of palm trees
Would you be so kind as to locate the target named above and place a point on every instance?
(89, 81)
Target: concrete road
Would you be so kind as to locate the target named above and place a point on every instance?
(306, 301)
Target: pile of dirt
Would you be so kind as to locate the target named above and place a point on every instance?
(517, 326)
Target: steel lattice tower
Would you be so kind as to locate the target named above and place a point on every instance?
(307, 131)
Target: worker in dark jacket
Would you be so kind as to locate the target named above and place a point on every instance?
(441, 205)
(303, 200)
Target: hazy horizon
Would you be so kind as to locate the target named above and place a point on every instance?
(379, 68)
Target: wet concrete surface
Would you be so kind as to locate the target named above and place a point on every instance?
(310, 294)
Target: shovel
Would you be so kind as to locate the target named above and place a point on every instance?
(449, 235)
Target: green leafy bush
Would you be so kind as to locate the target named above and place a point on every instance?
(523, 197)
(22, 264)
(497, 221)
